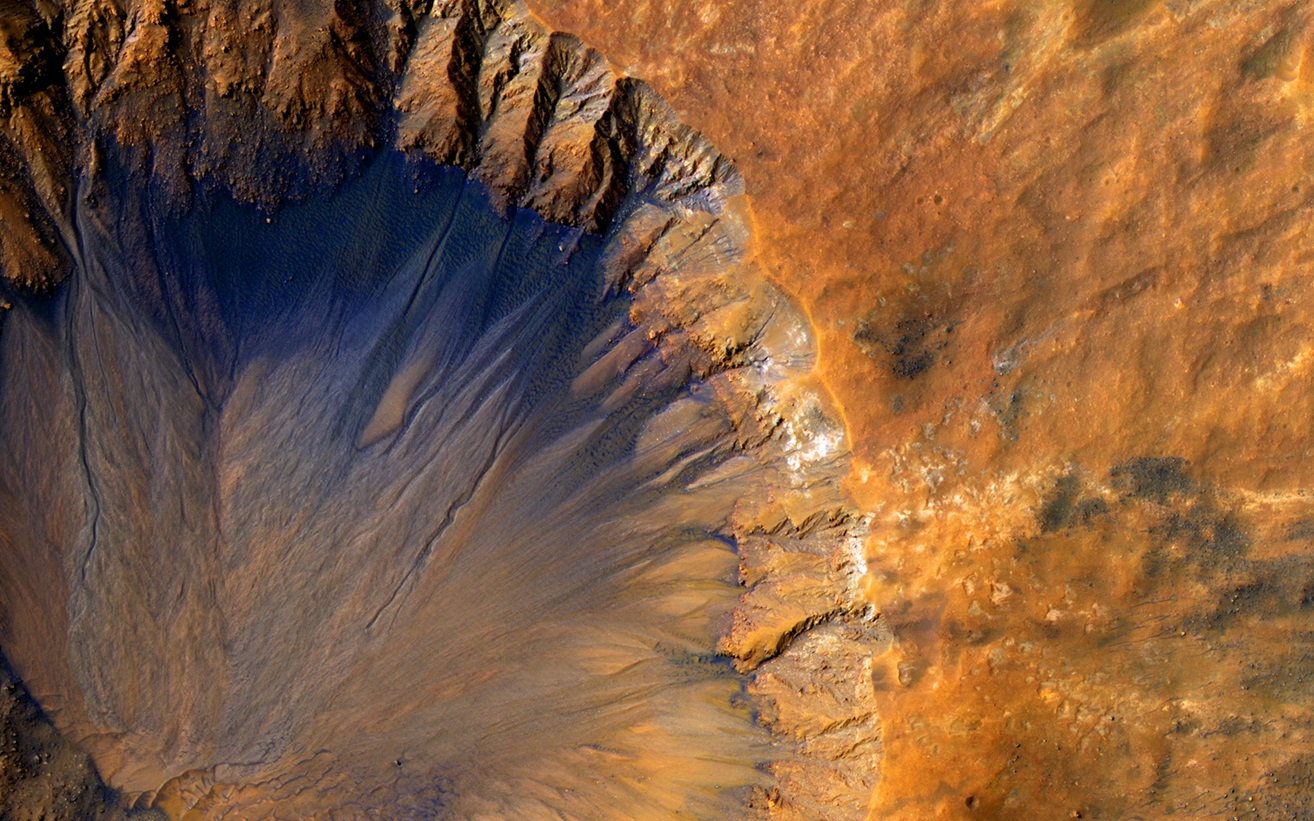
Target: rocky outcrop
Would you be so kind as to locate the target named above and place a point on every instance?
(42, 775)
(275, 104)
(37, 153)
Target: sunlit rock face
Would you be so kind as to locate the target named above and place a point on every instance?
(399, 426)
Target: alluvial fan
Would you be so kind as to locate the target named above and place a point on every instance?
(397, 424)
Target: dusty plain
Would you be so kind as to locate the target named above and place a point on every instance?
(1057, 257)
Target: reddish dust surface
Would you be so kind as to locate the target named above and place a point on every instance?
(1057, 256)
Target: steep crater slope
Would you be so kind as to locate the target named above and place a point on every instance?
(398, 423)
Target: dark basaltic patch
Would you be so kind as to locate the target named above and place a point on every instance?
(1152, 478)
(911, 345)
(1066, 506)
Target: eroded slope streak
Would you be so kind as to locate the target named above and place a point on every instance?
(398, 423)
